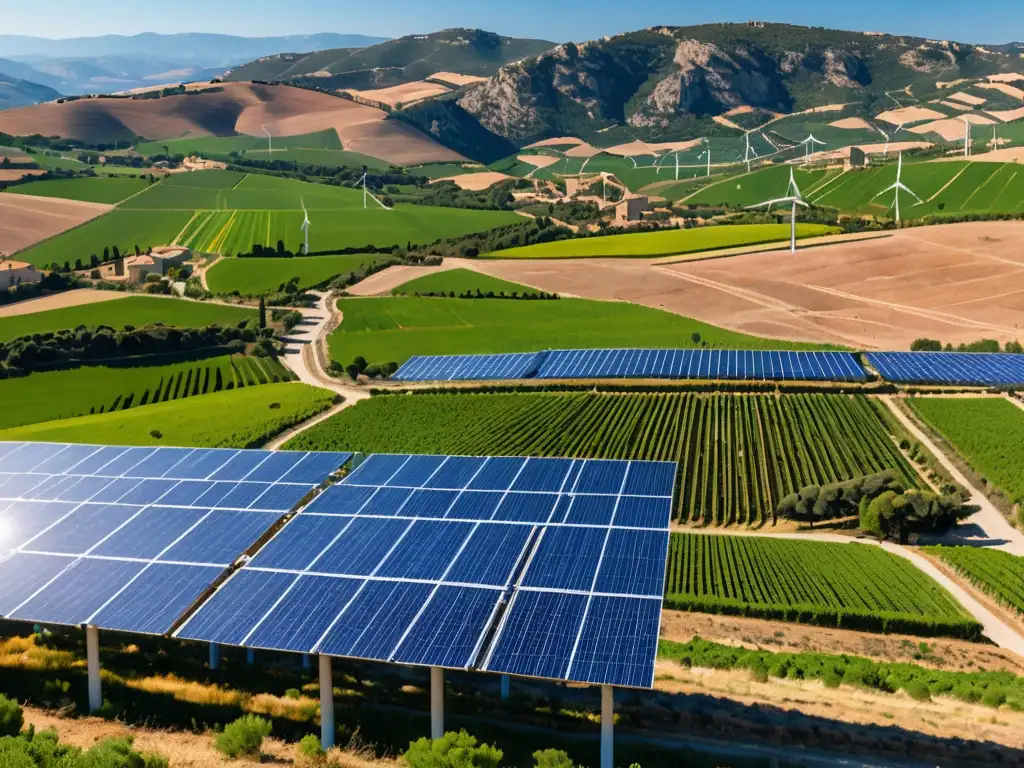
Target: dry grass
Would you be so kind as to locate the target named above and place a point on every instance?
(25, 653)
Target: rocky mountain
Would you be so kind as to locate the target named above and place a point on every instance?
(657, 81)
(415, 57)
(22, 93)
(115, 63)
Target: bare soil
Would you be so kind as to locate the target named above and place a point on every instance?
(726, 122)
(951, 128)
(26, 219)
(967, 98)
(909, 115)
(407, 93)
(16, 174)
(957, 283)
(956, 105)
(1007, 115)
(457, 80)
(476, 181)
(539, 161)
(1006, 77)
(852, 124)
(60, 301)
(556, 142)
(387, 280)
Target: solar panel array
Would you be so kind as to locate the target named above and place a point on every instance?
(963, 368)
(549, 568)
(469, 367)
(129, 538)
(712, 364)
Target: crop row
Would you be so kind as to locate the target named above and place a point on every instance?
(188, 380)
(1000, 574)
(846, 585)
(738, 455)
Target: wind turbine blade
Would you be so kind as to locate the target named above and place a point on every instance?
(887, 190)
(909, 191)
(777, 201)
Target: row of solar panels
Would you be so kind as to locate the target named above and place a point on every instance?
(543, 567)
(949, 368)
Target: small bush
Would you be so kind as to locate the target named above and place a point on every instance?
(293, 693)
(11, 717)
(918, 691)
(453, 750)
(552, 758)
(243, 737)
(310, 751)
(831, 678)
(994, 697)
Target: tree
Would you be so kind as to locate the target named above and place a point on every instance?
(453, 750)
(1014, 347)
(263, 312)
(926, 345)
(695, 337)
(552, 758)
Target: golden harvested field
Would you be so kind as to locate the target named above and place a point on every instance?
(26, 220)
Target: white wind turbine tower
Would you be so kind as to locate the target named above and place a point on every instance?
(967, 137)
(809, 143)
(270, 140)
(708, 153)
(899, 185)
(889, 137)
(305, 227)
(750, 150)
(793, 198)
(368, 193)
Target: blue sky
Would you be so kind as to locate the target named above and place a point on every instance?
(988, 21)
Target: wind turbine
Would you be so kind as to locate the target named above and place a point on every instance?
(809, 143)
(750, 150)
(967, 137)
(899, 185)
(305, 227)
(708, 153)
(367, 192)
(889, 138)
(793, 198)
(270, 140)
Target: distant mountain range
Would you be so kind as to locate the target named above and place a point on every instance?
(117, 63)
(21, 93)
(395, 62)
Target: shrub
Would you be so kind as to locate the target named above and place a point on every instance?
(11, 717)
(552, 758)
(310, 750)
(994, 697)
(453, 750)
(292, 693)
(243, 737)
(918, 691)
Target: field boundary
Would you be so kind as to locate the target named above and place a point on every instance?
(817, 241)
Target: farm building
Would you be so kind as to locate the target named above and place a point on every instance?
(14, 273)
(632, 209)
(133, 269)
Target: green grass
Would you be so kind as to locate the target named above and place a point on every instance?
(224, 145)
(331, 158)
(132, 310)
(460, 281)
(394, 329)
(244, 418)
(51, 162)
(987, 432)
(443, 170)
(667, 243)
(756, 187)
(1000, 574)
(93, 389)
(90, 190)
(253, 277)
(125, 229)
(738, 455)
(855, 586)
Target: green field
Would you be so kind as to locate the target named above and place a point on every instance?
(330, 158)
(853, 586)
(443, 170)
(255, 277)
(90, 190)
(394, 329)
(125, 229)
(460, 281)
(667, 243)
(1000, 574)
(987, 432)
(947, 188)
(245, 418)
(224, 145)
(101, 389)
(51, 162)
(738, 455)
(131, 310)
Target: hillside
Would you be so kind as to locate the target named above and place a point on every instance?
(229, 110)
(20, 93)
(411, 58)
(658, 81)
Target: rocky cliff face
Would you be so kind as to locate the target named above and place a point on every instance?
(651, 79)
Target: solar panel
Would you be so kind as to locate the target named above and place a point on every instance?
(130, 538)
(464, 563)
(953, 368)
(743, 365)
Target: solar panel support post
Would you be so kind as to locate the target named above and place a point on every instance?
(505, 685)
(307, 661)
(436, 703)
(214, 657)
(607, 727)
(250, 656)
(92, 655)
(326, 702)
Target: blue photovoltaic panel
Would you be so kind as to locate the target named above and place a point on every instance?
(543, 475)
(362, 547)
(469, 367)
(21, 521)
(64, 459)
(456, 473)
(475, 505)
(376, 469)
(424, 503)
(280, 497)
(566, 558)
(221, 538)
(650, 478)
(78, 592)
(299, 543)
(154, 601)
(955, 368)
(386, 502)
(643, 512)
(538, 634)
(240, 466)
(21, 576)
(230, 615)
(633, 563)
(491, 555)
(526, 507)
(590, 510)
(417, 471)
(149, 533)
(305, 613)
(605, 477)
(497, 475)
(341, 500)
(200, 464)
(375, 620)
(83, 529)
(618, 643)
(426, 551)
(450, 629)
(314, 468)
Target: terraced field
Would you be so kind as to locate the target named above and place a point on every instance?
(255, 277)
(91, 190)
(738, 455)
(853, 586)
(1000, 574)
(102, 389)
